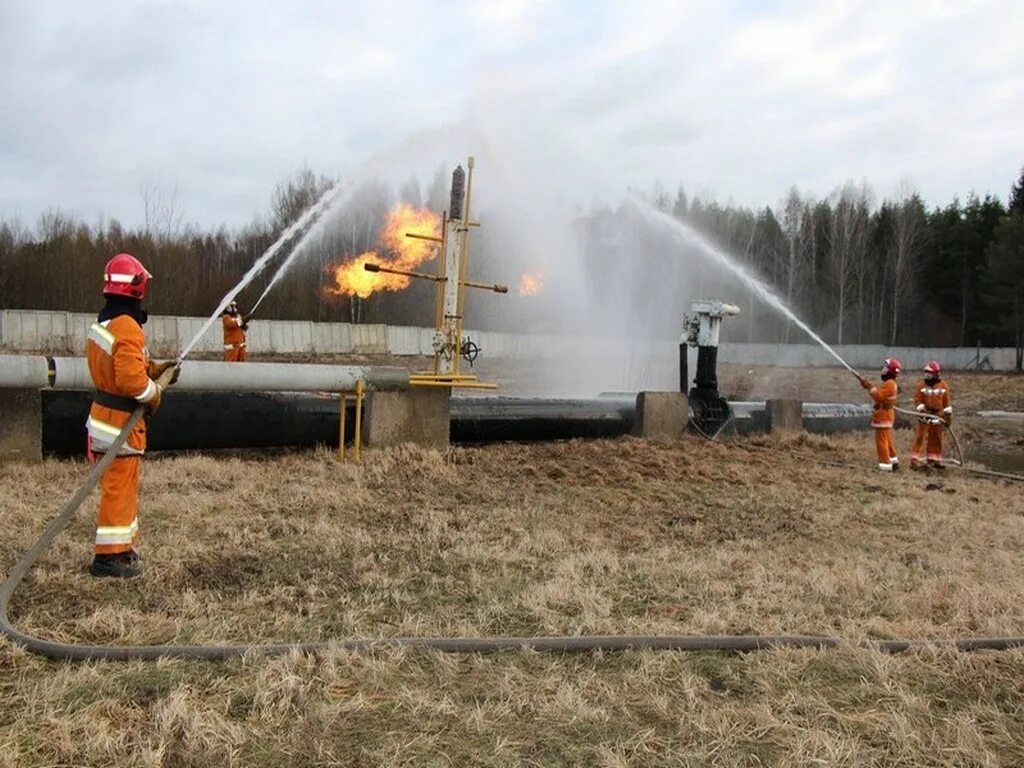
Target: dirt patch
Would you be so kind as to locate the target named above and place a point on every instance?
(225, 573)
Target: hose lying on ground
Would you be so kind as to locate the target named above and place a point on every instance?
(77, 652)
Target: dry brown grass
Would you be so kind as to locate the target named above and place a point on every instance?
(616, 536)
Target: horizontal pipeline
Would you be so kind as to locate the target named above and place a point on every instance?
(30, 372)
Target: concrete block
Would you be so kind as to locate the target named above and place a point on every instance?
(661, 415)
(784, 415)
(419, 416)
(21, 413)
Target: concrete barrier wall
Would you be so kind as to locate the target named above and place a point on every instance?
(65, 333)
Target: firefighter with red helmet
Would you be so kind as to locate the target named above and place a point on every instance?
(933, 401)
(884, 416)
(124, 378)
(235, 327)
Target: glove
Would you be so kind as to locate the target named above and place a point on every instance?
(864, 382)
(154, 404)
(156, 370)
(949, 419)
(247, 318)
(920, 407)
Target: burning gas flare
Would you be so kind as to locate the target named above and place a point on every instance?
(532, 283)
(395, 251)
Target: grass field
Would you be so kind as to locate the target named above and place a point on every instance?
(619, 536)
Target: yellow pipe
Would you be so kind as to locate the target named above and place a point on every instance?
(496, 287)
(439, 292)
(431, 238)
(357, 449)
(341, 427)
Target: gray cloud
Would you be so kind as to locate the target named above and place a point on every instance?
(226, 99)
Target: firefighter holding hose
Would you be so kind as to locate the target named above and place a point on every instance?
(235, 326)
(932, 401)
(885, 396)
(124, 378)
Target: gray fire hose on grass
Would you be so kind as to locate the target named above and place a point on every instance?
(77, 652)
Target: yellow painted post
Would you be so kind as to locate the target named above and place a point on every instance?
(357, 448)
(342, 398)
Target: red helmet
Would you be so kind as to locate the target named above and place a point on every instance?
(892, 365)
(124, 275)
(932, 368)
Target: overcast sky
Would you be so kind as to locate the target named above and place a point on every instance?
(735, 99)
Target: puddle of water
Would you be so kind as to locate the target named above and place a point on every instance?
(997, 459)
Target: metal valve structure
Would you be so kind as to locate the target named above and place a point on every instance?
(701, 328)
(449, 345)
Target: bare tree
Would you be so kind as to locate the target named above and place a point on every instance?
(850, 232)
(291, 198)
(161, 211)
(797, 258)
(908, 230)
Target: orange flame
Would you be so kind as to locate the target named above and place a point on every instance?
(532, 283)
(396, 251)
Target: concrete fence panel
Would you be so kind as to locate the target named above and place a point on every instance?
(370, 339)
(65, 333)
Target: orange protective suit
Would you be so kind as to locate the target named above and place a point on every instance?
(121, 372)
(885, 395)
(930, 398)
(234, 338)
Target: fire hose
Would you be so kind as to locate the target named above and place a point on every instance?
(934, 419)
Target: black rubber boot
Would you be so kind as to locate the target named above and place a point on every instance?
(113, 566)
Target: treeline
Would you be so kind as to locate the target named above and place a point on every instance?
(890, 273)
(859, 270)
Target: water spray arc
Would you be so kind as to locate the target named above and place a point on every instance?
(686, 235)
(303, 224)
(706, 316)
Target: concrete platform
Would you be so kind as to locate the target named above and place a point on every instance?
(661, 415)
(419, 416)
(784, 415)
(21, 414)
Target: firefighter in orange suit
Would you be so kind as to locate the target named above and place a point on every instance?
(124, 378)
(885, 395)
(235, 326)
(932, 399)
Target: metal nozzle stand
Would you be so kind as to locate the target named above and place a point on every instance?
(701, 328)
(449, 345)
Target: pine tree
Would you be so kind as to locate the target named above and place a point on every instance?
(1017, 195)
(1006, 256)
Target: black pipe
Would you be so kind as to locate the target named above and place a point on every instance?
(207, 421)
(458, 194)
(218, 420)
(706, 383)
(684, 367)
(492, 419)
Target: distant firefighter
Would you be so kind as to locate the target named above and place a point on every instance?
(932, 397)
(885, 395)
(235, 326)
(124, 378)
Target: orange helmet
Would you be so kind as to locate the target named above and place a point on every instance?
(932, 369)
(124, 275)
(892, 365)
